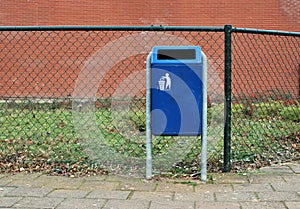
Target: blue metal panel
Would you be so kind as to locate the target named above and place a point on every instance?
(176, 92)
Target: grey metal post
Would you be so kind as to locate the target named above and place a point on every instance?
(204, 120)
(148, 120)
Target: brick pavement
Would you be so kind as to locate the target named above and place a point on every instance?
(277, 186)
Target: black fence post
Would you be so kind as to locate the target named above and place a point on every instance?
(227, 88)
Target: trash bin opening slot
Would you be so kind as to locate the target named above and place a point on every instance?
(176, 54)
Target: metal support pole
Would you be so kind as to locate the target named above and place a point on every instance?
(204, 120)
(227, 128)
(148, 120)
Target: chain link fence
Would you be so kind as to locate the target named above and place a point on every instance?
(265, 97)
(73, 99)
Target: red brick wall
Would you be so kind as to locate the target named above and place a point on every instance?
(51, 70)
(268, 14)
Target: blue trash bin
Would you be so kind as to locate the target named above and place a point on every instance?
(176, 90)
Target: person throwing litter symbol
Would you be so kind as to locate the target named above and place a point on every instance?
(167, 81)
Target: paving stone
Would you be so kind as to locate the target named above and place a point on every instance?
(37, 202)
(230, 179)
(8, 201)
(60, 182)
(153, 196)
(206, 196)
(4, 181)
(291, 178)
(29, 192)
(278, 196)
(118, 178)
(292, 205)
(127, 204)
(263, 205)
(295, 168)
(21, 176)
(217, 205)
(235, 196)
(5, 190)
(228, 191)
(81, 204)
(287, 187)
(265, 178)
(172, 205)
(171, 187)
(140, 186)
(26, 183)
(92, 185)
(211, 188)
(277, 169)
(25, 180)
(68, 193)
(104, 194)
(252, 188)
(96, 178)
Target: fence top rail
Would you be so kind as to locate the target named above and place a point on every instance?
(113, 28)
(147, 28)
(266, 32)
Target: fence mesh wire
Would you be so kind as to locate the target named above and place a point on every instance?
(73, 101)
(265, 91)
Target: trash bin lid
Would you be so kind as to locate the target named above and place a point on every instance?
(176, 54)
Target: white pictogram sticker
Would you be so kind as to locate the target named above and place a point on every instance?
(165, 82)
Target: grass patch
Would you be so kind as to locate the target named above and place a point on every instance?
(263, 133)
(42, 137)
